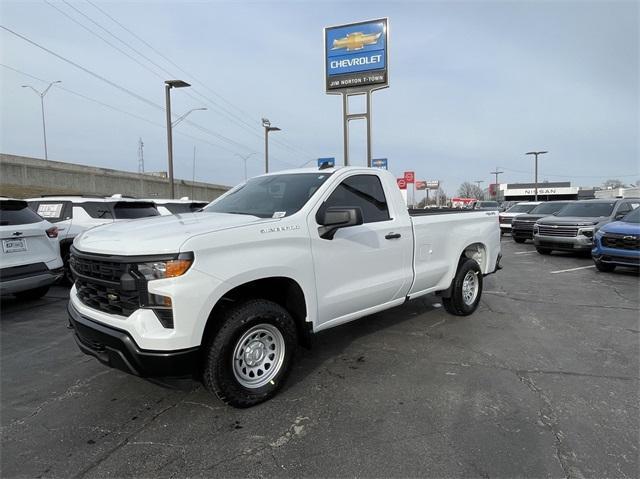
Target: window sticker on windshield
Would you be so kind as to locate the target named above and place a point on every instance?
(51, 210)
(279, 214)
(635, 205)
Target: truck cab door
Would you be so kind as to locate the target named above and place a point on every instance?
(362, 266)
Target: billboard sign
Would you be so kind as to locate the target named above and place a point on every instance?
(326, 161)
(433, 184)
(379, 163)
(421, 185)
(409, 176)
(402, 184)
(356, 56)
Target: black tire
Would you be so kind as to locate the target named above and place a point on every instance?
(519, 240)
(31, 294)
(455, 304)
(543, 250)
(604, 267)
(218, 371)
(67, 277)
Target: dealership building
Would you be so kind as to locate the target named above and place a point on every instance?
(547, 191)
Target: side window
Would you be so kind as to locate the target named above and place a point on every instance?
(364, 192)
(98, 209)
(53, 211)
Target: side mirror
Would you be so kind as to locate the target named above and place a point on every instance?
(619, 217)
(334, 218)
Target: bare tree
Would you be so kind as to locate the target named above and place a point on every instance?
(469, 190)
(612, 183)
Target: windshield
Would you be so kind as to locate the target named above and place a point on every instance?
(274, 196)
(129, 210)
(14, 212)
(487, 204)
(588, 209)
(548, 208)
(633, 217)
(521, 208)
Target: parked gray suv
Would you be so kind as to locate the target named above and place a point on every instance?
(573, 227)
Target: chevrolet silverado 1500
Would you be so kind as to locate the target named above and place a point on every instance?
(227, 293)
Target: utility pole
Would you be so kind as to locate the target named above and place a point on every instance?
(193, 179)
(244, 160)
(140, 156)
(267, 129)
(42, 94)
(479, 182)
(497, 172)
(536, 153)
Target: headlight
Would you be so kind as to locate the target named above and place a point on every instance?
(588, 232)
(536, 230)
(166, 269)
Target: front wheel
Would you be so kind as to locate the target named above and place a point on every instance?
(543, 250)
(519, 240)
(249, 358)
(604, 267)
(466, 289)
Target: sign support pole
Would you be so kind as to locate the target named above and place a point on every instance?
(347, 117)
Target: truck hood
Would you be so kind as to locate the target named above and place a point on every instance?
(157, 234)
(530, 218)
(621, 227)
(571, 220)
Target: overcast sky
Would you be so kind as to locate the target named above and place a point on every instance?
(473, 85)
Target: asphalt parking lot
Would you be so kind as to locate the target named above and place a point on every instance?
(542, 381)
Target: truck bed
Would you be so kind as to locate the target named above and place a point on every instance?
(437, 211)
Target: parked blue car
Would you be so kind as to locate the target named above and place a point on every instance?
(618, 243)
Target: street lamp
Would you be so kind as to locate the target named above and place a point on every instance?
(536, 153)
(244, 159)
(41, 95)
(168, 85)
(179, 119)
(267, 128)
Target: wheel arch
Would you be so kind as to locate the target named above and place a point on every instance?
(478, 252)
(282, 290)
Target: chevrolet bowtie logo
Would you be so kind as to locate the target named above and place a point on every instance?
(356, 41)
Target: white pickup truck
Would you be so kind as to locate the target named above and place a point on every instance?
(226, 294)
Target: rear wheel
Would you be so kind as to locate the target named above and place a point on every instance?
(32, 294)
(604, 267)
(466, 289)
(249, 358)
(543, 250)
(519, 240)
(67, 277)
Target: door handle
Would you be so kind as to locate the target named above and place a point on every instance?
(392, 236)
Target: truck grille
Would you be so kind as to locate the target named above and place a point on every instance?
(523, 225)
(99, 285)
(505, 220)
(565, 231)
(619, 241)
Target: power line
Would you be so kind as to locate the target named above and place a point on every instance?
(244, 124)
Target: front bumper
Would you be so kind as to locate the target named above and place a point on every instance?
(23, 278)
(572, 243)
(117, 349)
(618, 257)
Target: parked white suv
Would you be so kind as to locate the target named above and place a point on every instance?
(76, 214)
(506, 217)
(30, 251)
(225, 294)
(174, 207)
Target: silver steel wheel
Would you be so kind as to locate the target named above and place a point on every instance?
(258, 356)
(470, 286)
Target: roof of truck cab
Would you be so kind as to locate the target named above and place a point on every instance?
(85, 199)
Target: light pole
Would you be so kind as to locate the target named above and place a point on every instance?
(244, 159)
(479, 182)
(168, 85)
(267, 128)
(497, 172)
(41, 95)
(536, 153)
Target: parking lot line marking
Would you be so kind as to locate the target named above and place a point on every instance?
(572, 269)
(526, 252)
